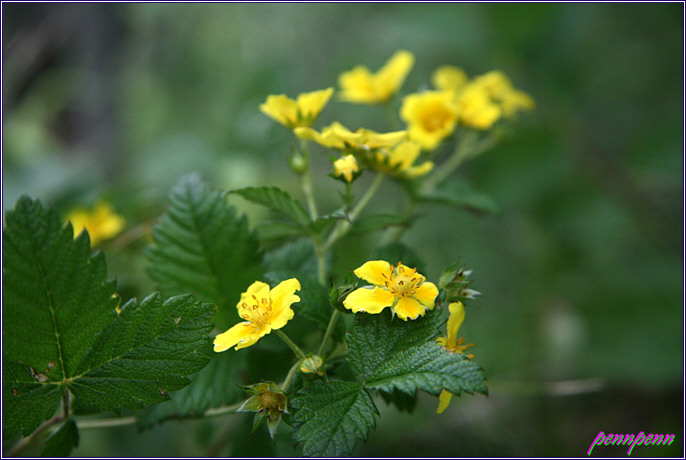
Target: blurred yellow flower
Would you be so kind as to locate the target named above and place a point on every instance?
(449, 78)
(300, 112)
(346, 166)
(431, 116)
(476, 108)
(263, 310)
(361, 86)
(399, 161)
(454, 345)
(337, 136)
(101, 222)
(403, 289)
(500, 88)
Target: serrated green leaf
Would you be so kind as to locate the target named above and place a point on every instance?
(67, 336)
(202, 246)
(391, 354)
(277, 200)
(463, 195)
(26, 402)
(144, 353)
(295, 259)
(62, 441)
(331, 417)
(402, 401)
(214, 386)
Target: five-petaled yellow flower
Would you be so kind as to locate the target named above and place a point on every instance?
(431, 116)
(361, 86)
(346, 166)
(500, 88)
(101, 222)
(300, 112)
(337, 136)
(403, 289)
(453, 344)
(263, 310)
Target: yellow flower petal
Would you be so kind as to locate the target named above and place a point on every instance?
(444, 401)
(377, 272)
(283, 296)
(409, 308)
(370, 300)
(449, 78)
(282, 109)
(257, 289)
(457, 315)
(346, 166)
(426, 293)
(311, 104)
(241, 335)
(361, 86)
(101, 222)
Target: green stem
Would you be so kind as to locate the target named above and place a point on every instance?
(320, 252)
(289, 377)
(296, 349)
(329, 331)
(461, 153)
(343, 226)
(30, 439)
(307, 181)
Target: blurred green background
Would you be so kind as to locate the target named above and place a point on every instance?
(580, 325)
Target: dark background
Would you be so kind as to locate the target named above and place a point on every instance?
(580, 325)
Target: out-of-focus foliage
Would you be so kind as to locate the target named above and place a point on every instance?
(580, 328)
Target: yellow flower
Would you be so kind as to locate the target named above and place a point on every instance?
(453, 344)
(396, 286)
(263, 310)
(501, 90)
(431, 116)
(399, 161)
(449, 78)
(101, 222)
(361, 86)
(346, 166)
(293, 113)
(337, 136)
(476, 107)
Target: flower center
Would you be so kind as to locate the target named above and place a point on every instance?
(435, 118)
(258, 312)
(404, 281)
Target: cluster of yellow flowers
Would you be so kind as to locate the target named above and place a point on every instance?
(431, 116)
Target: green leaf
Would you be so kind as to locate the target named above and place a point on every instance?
(62, 441)
(331, 417)
(202, 246)
(144, 352)
(214, 386)
(26, 402)
(391, 354)
(66, 334)
(463, 195)
(277, 200)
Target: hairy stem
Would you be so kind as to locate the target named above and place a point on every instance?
(30, 439)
